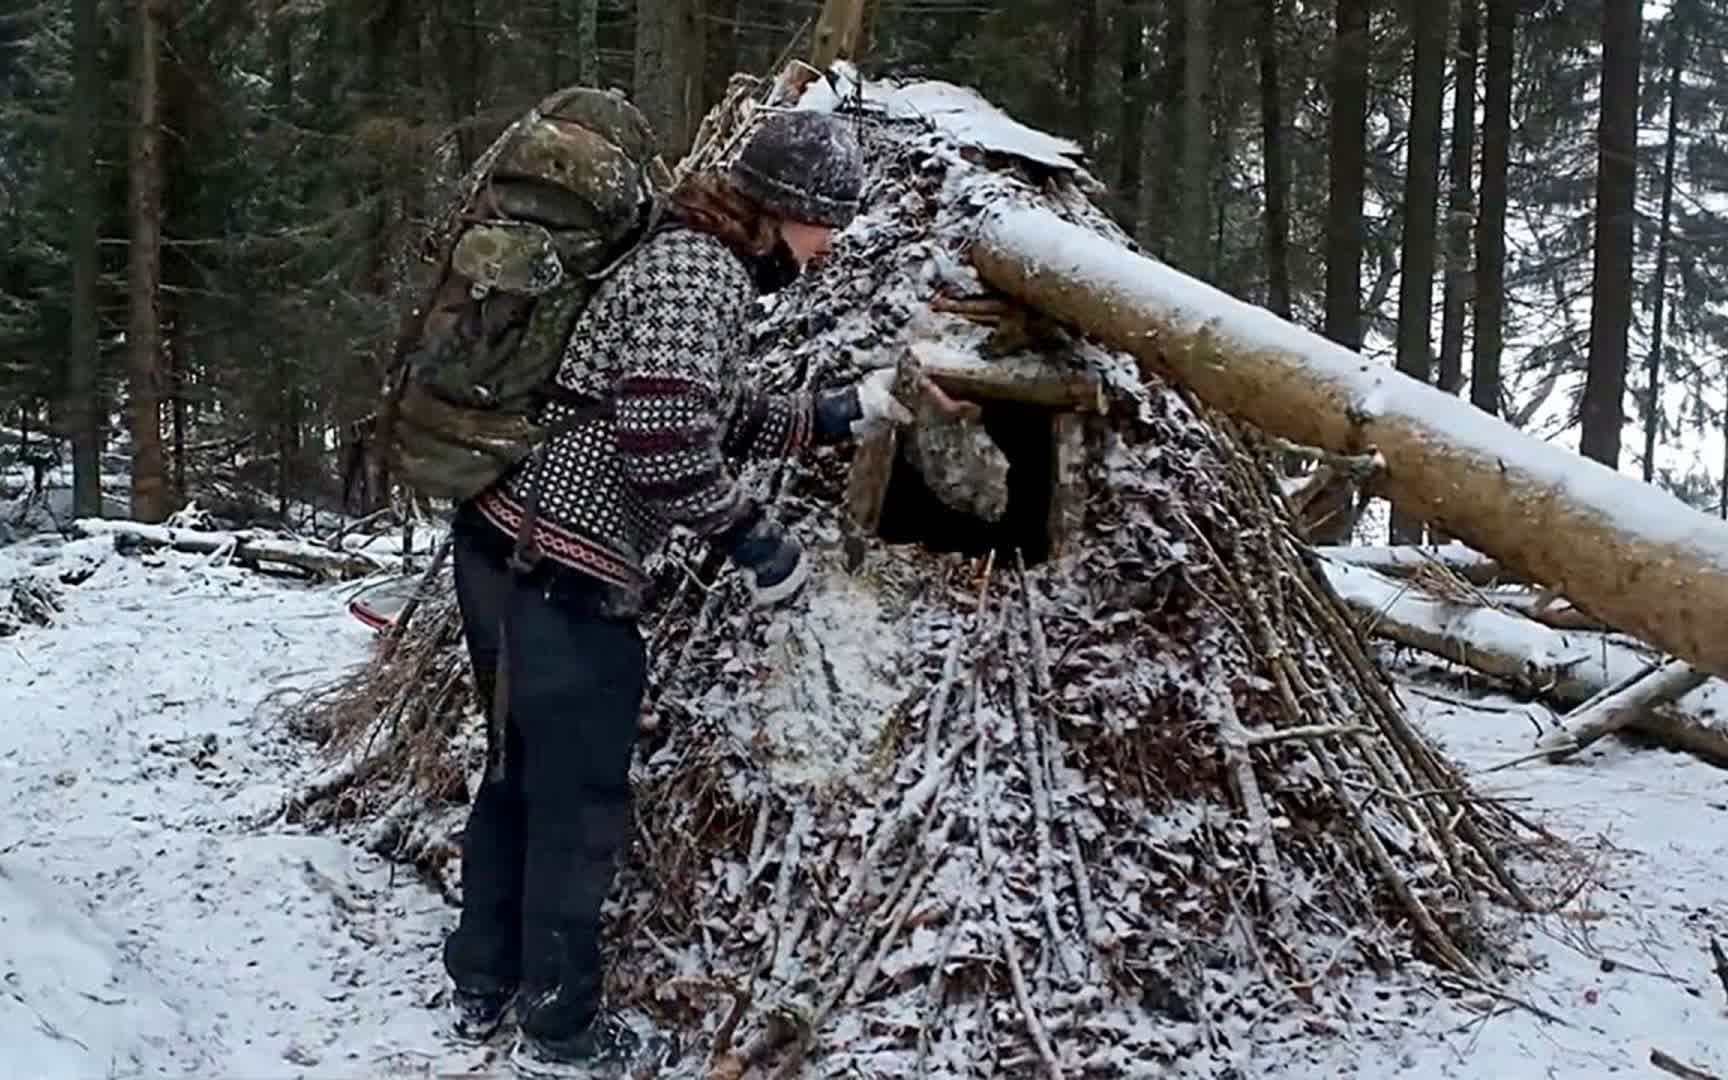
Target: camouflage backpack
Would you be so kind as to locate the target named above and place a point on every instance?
(563, 194)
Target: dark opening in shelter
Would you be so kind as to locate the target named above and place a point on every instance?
(913, 514)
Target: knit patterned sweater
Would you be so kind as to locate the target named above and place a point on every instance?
(663, 336)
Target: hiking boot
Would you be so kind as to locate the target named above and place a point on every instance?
(607, 1049)
(476, 1015)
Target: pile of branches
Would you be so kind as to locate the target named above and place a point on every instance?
(1140, 808)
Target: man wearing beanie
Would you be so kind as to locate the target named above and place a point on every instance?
(555, 643)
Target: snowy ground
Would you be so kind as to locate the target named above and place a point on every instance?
(146, 927)
(149, 928)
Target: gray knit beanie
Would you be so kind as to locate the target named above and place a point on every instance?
(804, 166)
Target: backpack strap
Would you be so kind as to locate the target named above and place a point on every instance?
(526, 554)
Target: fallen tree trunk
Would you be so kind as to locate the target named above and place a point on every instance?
(1403, 561)
(1632, 554)
(1631, 705)
(245, 546)
(1566, 669)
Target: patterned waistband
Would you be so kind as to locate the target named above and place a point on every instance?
(560, 545)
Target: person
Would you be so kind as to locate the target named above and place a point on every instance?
(554, 645)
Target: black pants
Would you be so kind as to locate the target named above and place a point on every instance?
(539, 852)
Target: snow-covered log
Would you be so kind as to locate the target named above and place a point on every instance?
(1624, 707)
(1637, 557)
(1405, 560)
(244, 546)
(1567, 669)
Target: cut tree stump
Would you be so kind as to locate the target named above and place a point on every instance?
(1637, 557)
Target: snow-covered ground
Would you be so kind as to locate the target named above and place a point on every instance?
(1624, 968)
(148, 926)
(157, 918)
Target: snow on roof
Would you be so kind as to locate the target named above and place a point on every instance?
(959, 112)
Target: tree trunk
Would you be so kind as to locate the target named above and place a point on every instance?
(837, 31)
(587, 42)
(1131, 129)
(1465, 562)
(1347, 163)
(1083, 74)
(1421, 207)
(1195, 219)
(1609, 685)
(1491, 222)
(669, 47)
(1636, 557)
(84, 190)
(1658, 314)
(1163, 228)
(1277, 167)
(1616, 213)
(722, 61)
(144, 328)
(1348, 130)
(1462, 212)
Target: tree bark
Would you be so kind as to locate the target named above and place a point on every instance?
(1636, 557)
(1659, 312)
(1421, 207)
(669, 47)
(1616, 214)
(1462, 210)
(144, 328)
(84, 190)
(1277, 167)
(1491, 223)
(1347, 152)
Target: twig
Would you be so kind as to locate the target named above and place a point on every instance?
(1482, 987)
(1306, 732)
(1034, 629)
(1045, 854)
(1678, 1068)
(790, 863)
(1721, 959)
(1017, 976)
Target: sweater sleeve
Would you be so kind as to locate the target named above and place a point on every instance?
(681, 420)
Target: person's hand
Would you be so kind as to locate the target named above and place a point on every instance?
(772, 562)
(876, 400)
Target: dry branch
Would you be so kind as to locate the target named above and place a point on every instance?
(1640, 559)
(1677, 1067)
(1632, 705)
